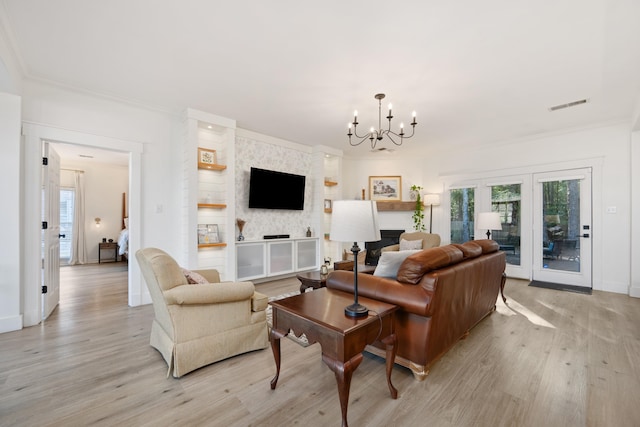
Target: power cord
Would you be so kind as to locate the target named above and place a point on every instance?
(380, 329)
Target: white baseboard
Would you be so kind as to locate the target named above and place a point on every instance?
(634, 291)
(8, 324)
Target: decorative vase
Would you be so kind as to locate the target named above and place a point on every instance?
(308, 231)
(240, 223)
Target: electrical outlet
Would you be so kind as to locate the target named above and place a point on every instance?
(612, 209)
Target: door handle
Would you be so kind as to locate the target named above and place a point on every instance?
(586, 236)
(61, 235)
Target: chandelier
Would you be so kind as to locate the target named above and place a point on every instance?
(377, 135)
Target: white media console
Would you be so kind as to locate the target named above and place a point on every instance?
(257, 259)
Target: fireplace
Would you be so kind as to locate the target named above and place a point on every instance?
(387, 238)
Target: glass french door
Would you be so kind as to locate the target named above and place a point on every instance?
(562, 227)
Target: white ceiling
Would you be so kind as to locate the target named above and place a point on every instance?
(475, 71)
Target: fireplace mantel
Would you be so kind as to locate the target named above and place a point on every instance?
(396, 206)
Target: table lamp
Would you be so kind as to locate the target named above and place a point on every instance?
(355, 221)
(489, 221)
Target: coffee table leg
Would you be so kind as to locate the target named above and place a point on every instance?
(343, 372)
(274, 337)
(391, 344)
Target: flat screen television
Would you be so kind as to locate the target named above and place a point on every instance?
(276, 190)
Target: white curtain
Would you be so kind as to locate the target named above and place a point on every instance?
(78, 245)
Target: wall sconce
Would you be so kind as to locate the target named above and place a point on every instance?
(98, 222)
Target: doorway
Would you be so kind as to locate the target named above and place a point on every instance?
(97, 179)
(562, 227)
(33, 137)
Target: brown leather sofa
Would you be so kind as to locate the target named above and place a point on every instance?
(442, 293)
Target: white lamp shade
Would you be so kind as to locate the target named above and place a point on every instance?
(355, 221)
(489, 221)
(431, 199)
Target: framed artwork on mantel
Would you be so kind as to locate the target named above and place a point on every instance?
(206, 157)
(385, 188)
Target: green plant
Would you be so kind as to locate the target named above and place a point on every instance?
(418, 213)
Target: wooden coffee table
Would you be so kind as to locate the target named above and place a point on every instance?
(320, 316)
(315, 280)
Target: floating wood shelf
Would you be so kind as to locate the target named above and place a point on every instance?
(215, 167)
(212, 205)
(396, 206)
(330, 183)
(212, 245)
(328, 210)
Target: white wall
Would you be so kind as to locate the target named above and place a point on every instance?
(161, 175)
(608, 146)
(356, 174)
(10, 296)
(104, 185)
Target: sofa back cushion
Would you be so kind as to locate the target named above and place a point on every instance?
(469, 249)
(488, 246)
(418, 264)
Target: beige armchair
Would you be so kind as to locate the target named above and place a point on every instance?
(196, 325)
(428, 240)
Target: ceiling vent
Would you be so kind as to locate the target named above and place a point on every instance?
(569, 104)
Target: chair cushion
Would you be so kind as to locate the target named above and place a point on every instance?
(407, 245)
(390, 262)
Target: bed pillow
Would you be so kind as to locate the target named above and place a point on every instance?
(408, 245)
(194, 278)
(390, 262)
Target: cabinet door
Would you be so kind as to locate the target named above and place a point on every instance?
(280, 258)
(250, 261)
(306, 254)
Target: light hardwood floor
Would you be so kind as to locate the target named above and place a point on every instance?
(547, 358)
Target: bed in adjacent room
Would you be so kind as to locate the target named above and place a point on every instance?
(123, 238)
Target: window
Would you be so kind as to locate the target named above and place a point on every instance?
(67, 199)
(462, 211)
(506, 200)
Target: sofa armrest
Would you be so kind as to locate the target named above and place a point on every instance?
(259, 302)
(212, 293)
(412, 298)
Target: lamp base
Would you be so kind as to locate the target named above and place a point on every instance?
(356, 310)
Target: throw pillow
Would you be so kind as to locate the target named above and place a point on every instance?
(194, 278)
(390, 262)
(408, 245)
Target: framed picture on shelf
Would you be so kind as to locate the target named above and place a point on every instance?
(206, 157)
(208, 233)
(327, 205)
(385, 188)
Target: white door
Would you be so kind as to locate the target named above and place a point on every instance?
(50, 232)
(562, 227)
